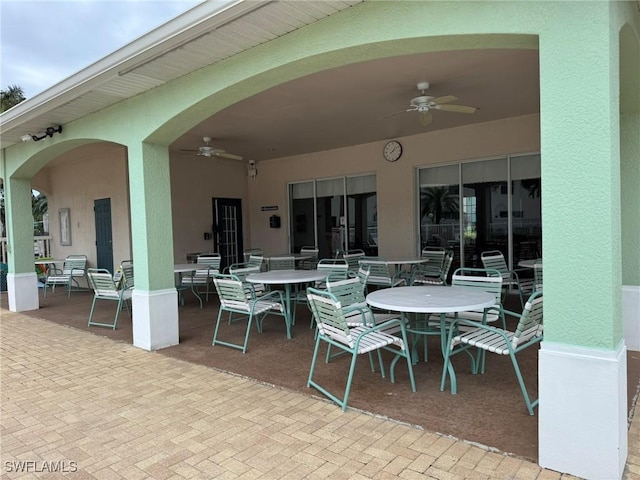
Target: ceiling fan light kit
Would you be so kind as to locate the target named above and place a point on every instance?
(424, 104)
(207, 150)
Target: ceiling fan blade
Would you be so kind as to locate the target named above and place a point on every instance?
(444, 99)
(228, 155)
(456, 108)
(426, 118)
(394, 114)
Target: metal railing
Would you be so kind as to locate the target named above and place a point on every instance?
(41, 247)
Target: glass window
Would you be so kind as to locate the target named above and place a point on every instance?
(363, 214)
(501, 209)
(526, 208)
(440, 209)
(322, 209)
(486, 221)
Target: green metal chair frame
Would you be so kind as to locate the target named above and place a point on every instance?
(334, 330)
(486, 338)
(380, 276)
(234, 298)
(73, 266)
(537, 276)
(203, 278)
(428, 275)
(353, 258)
(105, 288)
(494, 259)
(309, 263)
(282, 263)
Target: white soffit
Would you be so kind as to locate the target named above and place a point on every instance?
(201, 36)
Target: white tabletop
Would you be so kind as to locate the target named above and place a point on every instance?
(295, 256)
(431, 299)
(287, 276)
(188, 267)
(529, 263)
(46, 262)
(398, 260)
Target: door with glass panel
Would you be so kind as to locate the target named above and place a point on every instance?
(227, 224)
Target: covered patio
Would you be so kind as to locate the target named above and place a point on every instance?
(487, 410)
(128, 160)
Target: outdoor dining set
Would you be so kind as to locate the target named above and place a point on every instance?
(359, 305)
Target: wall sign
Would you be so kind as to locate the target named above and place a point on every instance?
(269, 208)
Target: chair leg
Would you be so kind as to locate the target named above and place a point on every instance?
(347, 390)
(93, 306)
(313, 361)
(530, 405)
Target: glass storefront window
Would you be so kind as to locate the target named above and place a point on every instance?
(322, 209)
(501, 209)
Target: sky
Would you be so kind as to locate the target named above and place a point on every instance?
(44, 42)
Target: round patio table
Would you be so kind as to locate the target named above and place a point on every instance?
(432, 299)
(287, 278)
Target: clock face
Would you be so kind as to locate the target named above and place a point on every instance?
(392, 151)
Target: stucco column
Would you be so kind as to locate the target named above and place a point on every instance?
(582, 374)
(155, 299)
(22, 281)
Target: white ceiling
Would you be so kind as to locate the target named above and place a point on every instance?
(348, 105)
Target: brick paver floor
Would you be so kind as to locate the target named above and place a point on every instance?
(89, 407)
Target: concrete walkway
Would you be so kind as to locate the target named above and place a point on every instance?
(90, 407)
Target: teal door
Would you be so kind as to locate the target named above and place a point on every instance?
(104, 243)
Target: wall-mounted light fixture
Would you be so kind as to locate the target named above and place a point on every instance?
(49, 131)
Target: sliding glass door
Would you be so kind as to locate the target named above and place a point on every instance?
(500, 208)
(335, 214)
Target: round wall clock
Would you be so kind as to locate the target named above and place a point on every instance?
(392, 151)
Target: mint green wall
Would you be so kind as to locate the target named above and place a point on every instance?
(580, 139)
(19, 224)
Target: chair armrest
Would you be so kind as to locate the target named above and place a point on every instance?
(274, 294)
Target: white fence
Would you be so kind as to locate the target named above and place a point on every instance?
(41, 247)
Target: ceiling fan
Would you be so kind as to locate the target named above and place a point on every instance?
(207, 150)
(424, 104)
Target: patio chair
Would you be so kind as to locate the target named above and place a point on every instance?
(494, 259)
(486, 338)
(104, 288)
(241, 271)
(425, 275)
(234, 299)
(127, 273)
(252, 252)
(73, 267)
(282, 263)
(353, 258)
(336, 267)
(255, 260)
(379, 275)
(351, 294)
(309, 263)
(334, 330)
(201, 279)
(537, 275)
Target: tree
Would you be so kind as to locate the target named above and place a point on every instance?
(10, 97)
(437, 200)
(39, 206)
